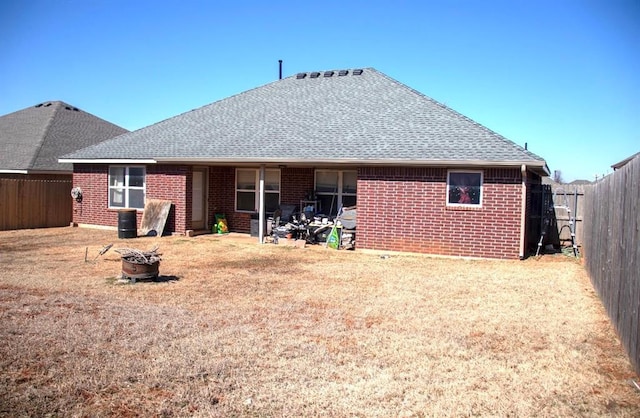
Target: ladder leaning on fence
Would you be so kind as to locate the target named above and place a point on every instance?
(550, 213)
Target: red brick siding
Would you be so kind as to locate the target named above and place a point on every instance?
(221, 196)
(399, 208)
(171, 182)
(94, 182)
(295, 183)
(162, 182)
(404, 209)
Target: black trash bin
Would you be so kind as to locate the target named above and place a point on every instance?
(127, 227)
(255, 225)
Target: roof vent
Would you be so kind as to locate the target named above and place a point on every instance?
(314, 75)
(343, 72)
(328, 73)
(357, 72)
(39, 105)
(47, 104)
(75, 109)
(67, 107)
(300, 76)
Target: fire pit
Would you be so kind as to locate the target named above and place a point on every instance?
(138, 264)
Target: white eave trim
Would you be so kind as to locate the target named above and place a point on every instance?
(354, 161)
(316, 161)
(106, 161)
(39, 172)
(14, 172)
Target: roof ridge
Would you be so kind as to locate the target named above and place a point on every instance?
(45, 132)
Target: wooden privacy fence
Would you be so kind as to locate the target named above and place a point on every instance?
(29, 203)
(611, 250)
(569, 197)
(566, 201)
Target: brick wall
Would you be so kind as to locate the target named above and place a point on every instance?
(404, 209)
(94, 181)
(162, 182)
(399, 208)
(295, 183)
(171, 182)
(222, 198)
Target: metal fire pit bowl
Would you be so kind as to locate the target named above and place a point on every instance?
(137, 271)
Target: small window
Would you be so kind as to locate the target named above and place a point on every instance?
(127, 187)
(464, 188)
(248, 186)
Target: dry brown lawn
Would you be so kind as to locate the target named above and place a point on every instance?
(233, 328)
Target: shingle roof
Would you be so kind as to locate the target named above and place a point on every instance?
(34, 138)
(624, 162)
(368, 118)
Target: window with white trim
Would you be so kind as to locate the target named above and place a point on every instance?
(464, 188)
(248, 187)
(336, 189)
(127, 186)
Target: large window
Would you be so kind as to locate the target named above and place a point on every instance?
(464, 188)
(335, 189)
(126, 187)
(248, 186)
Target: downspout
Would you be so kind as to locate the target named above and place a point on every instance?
(261, 215)
(523, 212)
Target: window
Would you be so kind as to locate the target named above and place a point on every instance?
(335, 189)
(464, 188)
(126, 187)
(248, 186)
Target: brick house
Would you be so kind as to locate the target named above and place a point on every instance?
(35, 186)
(424, 177)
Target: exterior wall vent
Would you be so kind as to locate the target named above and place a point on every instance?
(357, 72)
(300, 76)
(343, 73)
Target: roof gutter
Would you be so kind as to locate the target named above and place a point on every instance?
(541, 165)
(14, 172)
(36, 172)
(351, 161)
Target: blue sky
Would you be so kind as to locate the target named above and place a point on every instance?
(562, 76)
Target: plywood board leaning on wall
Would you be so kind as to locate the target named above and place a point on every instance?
(154, 217)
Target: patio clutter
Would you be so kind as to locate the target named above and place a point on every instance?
(220, 227)
(336, 233)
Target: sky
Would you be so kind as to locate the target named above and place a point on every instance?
(562, 76)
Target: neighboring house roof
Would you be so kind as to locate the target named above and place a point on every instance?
(33, 139)
(552, 182)
(580, 182)
(340, 117)
(624, 162)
